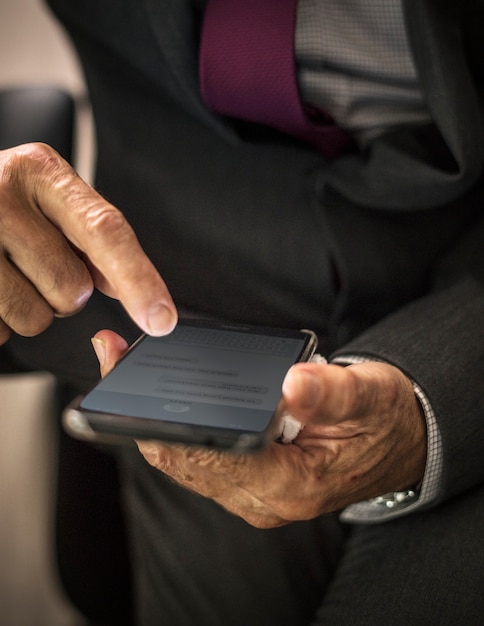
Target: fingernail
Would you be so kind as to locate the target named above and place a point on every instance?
(161, 320)
(100, 349)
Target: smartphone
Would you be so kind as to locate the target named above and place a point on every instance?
(206, 383)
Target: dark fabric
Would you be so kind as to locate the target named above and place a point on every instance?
(423, 569)
(197, 564)
(37, 113)
(92, 555)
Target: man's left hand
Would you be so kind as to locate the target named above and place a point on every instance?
(363, 435)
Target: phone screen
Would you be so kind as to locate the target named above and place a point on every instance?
(217, 377)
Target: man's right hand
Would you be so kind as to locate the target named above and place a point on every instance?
(58, 240)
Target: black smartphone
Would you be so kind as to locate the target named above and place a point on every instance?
(206, 383)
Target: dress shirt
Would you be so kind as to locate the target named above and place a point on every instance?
(353, 60)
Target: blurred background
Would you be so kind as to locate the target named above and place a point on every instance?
(34, 51)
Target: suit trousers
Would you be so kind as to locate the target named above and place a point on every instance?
(196, 564)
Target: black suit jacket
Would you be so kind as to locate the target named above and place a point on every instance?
(380, 252)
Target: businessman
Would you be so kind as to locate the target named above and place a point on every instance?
(362, 219)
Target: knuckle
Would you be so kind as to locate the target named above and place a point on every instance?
(41, 154)
(31, 158)
(71, 306)
(104, 220)
(24, 317)
(26, 171)
(36, 326)
(67, 291)
(22, 308)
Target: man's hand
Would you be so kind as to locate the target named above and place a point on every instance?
(58, 240)
(364, 435)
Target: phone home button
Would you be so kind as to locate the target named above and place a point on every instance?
(176, 407)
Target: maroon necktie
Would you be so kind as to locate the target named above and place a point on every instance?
(248, 71)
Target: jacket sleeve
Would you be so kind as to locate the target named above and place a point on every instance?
(438, 341)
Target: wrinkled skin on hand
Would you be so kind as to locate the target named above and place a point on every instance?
(58, 240)
(364, 435)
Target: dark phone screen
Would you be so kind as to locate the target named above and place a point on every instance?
(215, 377)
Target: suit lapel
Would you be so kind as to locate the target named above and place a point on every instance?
(176, 26)
(397, 173)
(425, 166)
(435, 31)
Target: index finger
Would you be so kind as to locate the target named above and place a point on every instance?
(100, 231)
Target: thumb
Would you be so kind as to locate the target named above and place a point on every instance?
(109, 348)
(318, 392)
